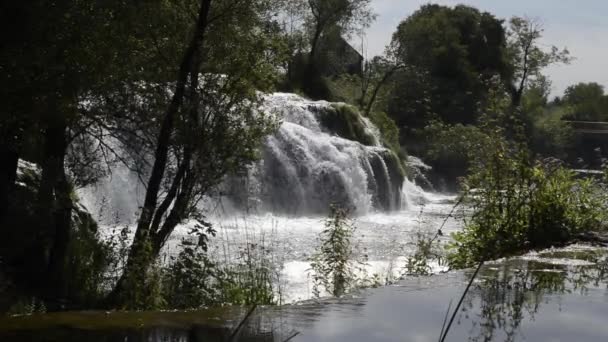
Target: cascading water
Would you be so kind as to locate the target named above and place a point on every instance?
(306, 167)
(281, 201)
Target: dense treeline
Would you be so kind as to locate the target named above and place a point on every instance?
(438, 75)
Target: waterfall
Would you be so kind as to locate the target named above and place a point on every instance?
(305, 167)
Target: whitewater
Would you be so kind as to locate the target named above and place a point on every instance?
(281, 202)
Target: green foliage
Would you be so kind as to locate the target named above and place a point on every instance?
(551, 135)
(527, 56)
(388, 130)
(345, 88)
(427, 249)
(251, 280)
(448, 55)
(305, 78)
(89, 259)
(348, 15)
(518, 205)
(452, 147)
(142, 289)
(587, 102)
(186, 283)
(334, 265)
(193, 280)
(88, 256)
(345, 121)
(27, 307)
(314, 25)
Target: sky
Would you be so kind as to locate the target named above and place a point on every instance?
(579, 25)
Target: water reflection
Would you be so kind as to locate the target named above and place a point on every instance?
(512, 292)
(556, 295)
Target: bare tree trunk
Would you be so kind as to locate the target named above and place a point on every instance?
(142, 253)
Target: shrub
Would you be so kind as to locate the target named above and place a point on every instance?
(189, 281)
(88, 261)
(518, 205)
(427, 249)
(251, 280)
(335, 266)
(451, 148)
(345, 88)
(193, 280)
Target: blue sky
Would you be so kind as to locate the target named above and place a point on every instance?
(579, 25)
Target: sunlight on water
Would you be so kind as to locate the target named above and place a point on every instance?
(281, 202)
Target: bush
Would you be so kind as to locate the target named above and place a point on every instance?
(345, 88)
(26, 242)
(336, 268)
(304, 77)
(451, 148)
(193, 280)
(427, 249)
(89, 259)
(518, 205)
(251, 280)
(188, 281)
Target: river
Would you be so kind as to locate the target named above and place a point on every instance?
(281, 204)
(552, 295)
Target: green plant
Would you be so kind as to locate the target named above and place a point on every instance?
(334, 265)
(27, 306)
(449, 147)
(190, 279)
(519, 204)
(90, 257)
(427, 249)
(193, 279)
(251, 280)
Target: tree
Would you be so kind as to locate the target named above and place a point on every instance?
(449, 55)
(587, 102)
(527, 56)
(66, 58)
(376, 75)
(211, 126)
(343, 15)
(59, 52)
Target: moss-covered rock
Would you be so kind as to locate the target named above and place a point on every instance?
(346, 122)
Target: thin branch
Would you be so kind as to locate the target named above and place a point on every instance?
(241, 324)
